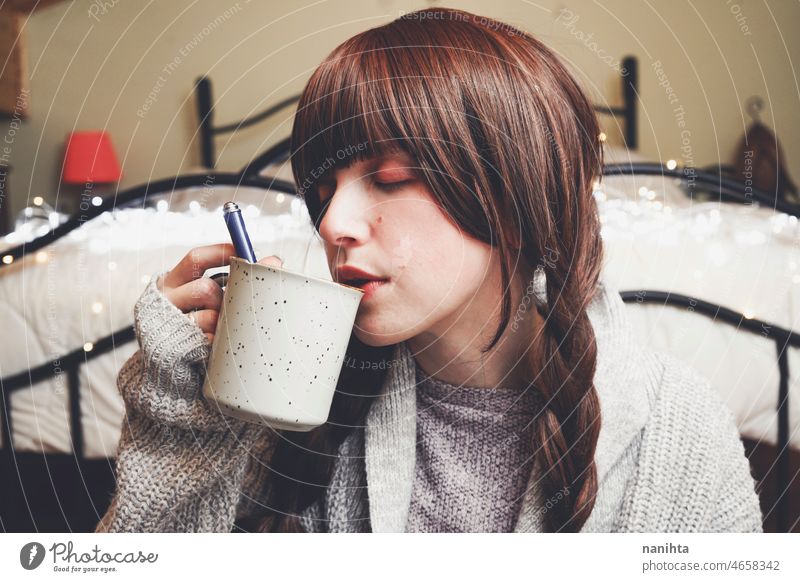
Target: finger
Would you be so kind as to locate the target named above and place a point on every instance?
(194, 264)
(201, 293)
(205, 319)
(273, 261)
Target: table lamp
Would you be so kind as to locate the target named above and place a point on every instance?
(90, 159)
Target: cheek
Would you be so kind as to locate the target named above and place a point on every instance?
(453, 284)
(432, 258)
(441, 275)
(421, 238)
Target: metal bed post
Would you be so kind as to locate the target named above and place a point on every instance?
(629, 84)
(205, 115)
(783, 469)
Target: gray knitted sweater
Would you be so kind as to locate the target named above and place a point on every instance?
(669, 457)
(474, 455)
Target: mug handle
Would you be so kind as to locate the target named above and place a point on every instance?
(220, 279)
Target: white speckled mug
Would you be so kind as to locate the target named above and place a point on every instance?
(280, 345)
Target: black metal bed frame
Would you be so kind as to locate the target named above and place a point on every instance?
(208, 131)
(249, 176)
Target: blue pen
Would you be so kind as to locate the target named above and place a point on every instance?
(235, 224)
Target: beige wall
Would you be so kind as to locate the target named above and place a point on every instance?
(93, 64)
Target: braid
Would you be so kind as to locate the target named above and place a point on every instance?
(567, 430)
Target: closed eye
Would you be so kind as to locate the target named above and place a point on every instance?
(324, 191)
(392, 186)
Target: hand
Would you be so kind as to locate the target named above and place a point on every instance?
(198, 296)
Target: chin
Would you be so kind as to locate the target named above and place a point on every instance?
(377, 340)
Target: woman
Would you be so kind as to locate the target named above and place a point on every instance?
(493, 382)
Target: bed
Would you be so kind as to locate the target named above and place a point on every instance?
(714, 280)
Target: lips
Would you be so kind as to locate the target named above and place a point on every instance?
(355, 277)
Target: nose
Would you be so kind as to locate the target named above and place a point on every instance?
(347, 218)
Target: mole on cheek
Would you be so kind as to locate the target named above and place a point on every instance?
(380, 219)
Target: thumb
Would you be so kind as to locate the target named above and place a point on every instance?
(272, 261)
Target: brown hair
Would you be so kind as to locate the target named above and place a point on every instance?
(509, 146)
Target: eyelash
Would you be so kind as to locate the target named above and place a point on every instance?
(391, 186)
(385, 186)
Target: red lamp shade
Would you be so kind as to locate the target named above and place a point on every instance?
(90, 157)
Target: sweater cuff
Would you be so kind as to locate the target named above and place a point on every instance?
(164, 380)
(165, 334)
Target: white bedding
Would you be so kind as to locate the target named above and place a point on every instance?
(86, 288)
(744, 258)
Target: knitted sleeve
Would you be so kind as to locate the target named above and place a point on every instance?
(692, 475)
(182, 466)
(715, 464)
(736, 506)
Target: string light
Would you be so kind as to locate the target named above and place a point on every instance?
(88, 347)
(38, 200)
(652, 214)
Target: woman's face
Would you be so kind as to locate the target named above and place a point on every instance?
(383, 220)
